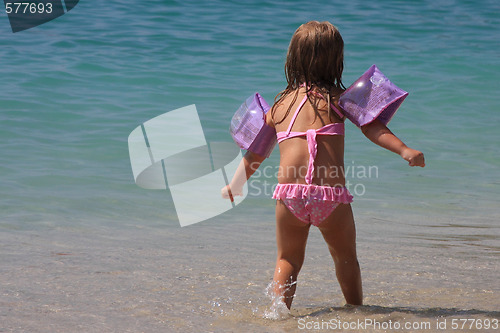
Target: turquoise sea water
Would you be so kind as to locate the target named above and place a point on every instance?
(73, 89)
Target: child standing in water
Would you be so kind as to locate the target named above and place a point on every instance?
(310, 129)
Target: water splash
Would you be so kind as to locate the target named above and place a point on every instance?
(278, 309)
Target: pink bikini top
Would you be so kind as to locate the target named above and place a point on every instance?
(312, 144)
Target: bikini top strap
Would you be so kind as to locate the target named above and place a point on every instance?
(337, 111)
(295, 115)
(341, 116)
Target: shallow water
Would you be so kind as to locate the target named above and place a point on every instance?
(83, 248)
(155, 279)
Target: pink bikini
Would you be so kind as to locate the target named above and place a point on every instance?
(308, 202)
(372, 96)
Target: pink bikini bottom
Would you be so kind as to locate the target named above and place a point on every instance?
(311, 204)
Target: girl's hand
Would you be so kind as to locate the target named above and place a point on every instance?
(228, 192)
(414, 157)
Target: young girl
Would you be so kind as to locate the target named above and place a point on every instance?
(310, 129)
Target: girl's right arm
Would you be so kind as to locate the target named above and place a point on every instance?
(379, 134)
(248, 165)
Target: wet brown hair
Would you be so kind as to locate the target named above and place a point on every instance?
(315, 57)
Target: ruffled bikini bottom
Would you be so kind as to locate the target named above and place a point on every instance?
(311, 204)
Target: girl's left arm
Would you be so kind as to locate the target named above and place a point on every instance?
(379, 134)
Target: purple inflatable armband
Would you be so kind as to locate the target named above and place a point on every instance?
(249, 129)
(372, 96)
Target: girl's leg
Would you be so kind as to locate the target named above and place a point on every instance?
(291, 239)
(340, 234)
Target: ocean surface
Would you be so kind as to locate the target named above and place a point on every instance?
(84, 249)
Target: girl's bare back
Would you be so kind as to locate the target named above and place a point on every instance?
(294, 155)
